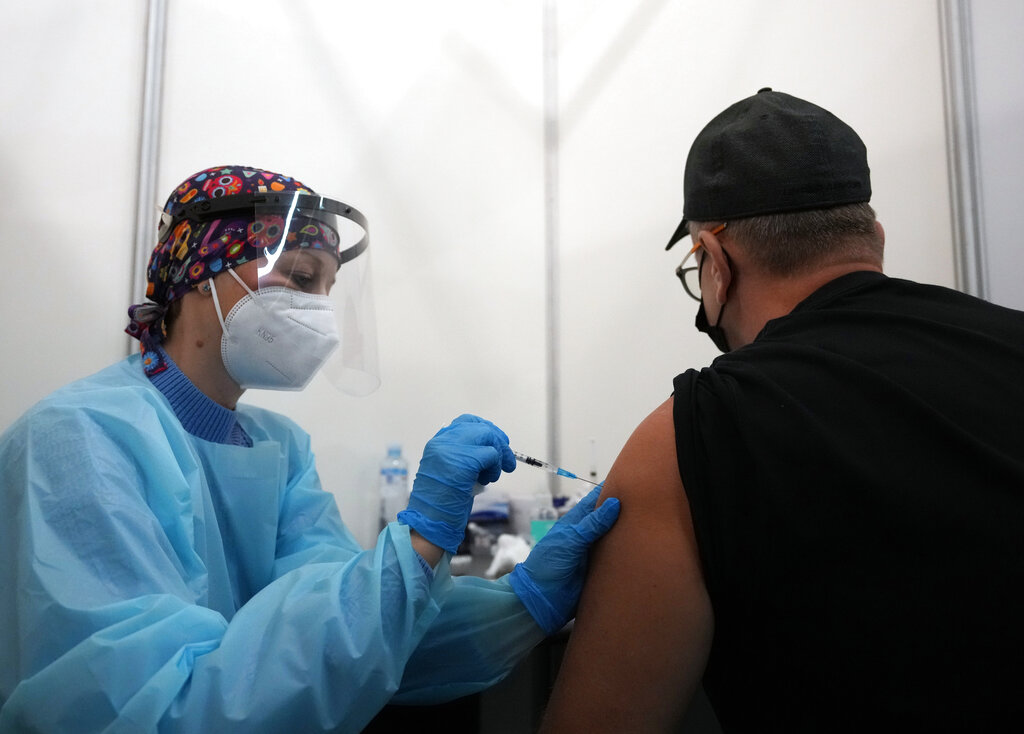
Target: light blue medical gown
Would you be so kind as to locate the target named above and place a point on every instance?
(153, 581)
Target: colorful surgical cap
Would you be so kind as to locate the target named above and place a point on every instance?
(189, 252)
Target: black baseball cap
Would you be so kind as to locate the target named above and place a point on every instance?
(772, 153)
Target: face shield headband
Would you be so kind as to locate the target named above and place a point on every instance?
(271, 214)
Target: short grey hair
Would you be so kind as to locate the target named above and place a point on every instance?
(795, 242)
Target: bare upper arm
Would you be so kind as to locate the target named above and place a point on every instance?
(644, 625)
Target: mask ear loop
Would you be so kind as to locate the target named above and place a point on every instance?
(216, 300)
(241, 282)
(216, 305)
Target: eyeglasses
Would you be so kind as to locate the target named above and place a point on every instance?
(689, 276)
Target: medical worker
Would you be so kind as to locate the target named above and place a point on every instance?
(171, 562)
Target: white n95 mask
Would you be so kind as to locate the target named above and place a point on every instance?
(276, 338)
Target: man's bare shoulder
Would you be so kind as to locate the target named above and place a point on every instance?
(644, 624)
(646, 471)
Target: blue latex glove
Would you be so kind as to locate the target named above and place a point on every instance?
(467, 452)
(550, 580)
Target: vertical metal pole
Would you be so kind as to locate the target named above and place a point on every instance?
(149, 150)
(962, 148)
(550, 40)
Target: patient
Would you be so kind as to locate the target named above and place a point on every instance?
(822, 528)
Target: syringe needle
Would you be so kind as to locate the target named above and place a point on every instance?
(563, 473)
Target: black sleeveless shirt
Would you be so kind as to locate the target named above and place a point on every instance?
(856, 479)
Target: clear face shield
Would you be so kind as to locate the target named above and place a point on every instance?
(313, 305)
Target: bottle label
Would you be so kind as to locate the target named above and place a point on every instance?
(391, 475)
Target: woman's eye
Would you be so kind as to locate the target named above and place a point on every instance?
(302, 280)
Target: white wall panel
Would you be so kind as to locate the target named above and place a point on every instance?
(998, 27)
(70, 94)
(640, 79)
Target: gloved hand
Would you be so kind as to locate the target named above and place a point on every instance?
(468, 451)
(550, 580)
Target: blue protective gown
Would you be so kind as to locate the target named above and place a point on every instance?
(154, 581)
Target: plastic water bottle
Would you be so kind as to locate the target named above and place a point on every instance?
(543, 518)
(393, 484)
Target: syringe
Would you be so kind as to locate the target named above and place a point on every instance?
(529, 460)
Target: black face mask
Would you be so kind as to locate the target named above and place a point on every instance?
(717, 333)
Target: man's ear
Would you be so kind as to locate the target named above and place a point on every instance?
(720, 267)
